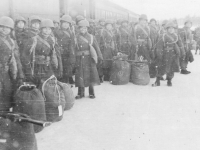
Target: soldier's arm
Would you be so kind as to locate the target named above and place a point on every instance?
(19, 65)
(96, 47)
(159, 48)
(26, 53)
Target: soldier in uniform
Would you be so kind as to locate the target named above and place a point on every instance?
(10, 65)
(124, 40)
(154, 35)
(116, 32)
(87, 54)
(65, 40)
(92, 28)
(168, 54)
(162, 29)
(142, 35)
(34, 26)
(186, 37)
(99, 30)
(39, 56)
(197, 38)
(108, 49)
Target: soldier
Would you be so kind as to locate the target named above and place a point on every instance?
(108, 49)
(186, 37)
(65, 40)
(116, 32)
(20, 32)
(142, 37)
(197, 38)
(167, 54)
(162, 29)
(99, 30)
(77, 20)
(92, 28)
(39, 56)
(154, 38)
(10, 65)
(34, 27)
(87, 52)
(124, 40)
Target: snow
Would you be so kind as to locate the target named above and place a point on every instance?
(132, 117)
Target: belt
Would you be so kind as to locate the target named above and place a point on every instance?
(42, 60)
(80, 53)
(169, 48)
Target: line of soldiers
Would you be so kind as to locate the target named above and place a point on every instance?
(167, 48)
(66, 48)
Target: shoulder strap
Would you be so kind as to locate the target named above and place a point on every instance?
(11, 47)
(145, 32)
(67, 33)
(43, 41)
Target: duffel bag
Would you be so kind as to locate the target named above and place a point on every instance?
(120, 72)
(29, 100)
(140, 73)
(17, 135)
(69, 95)
(54, 99)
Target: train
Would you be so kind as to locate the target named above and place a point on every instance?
(54, 9)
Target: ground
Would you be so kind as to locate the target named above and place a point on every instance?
(132, 117)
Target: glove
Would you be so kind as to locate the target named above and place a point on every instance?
(20, 82)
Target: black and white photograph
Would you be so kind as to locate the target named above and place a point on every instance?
(99, 74)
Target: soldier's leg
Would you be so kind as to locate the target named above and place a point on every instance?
(91, 92)
(170, 75)
(106, 74)
(81, 92)
(183, 65)
(159, 76)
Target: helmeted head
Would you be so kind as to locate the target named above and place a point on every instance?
(35, 22)
(66, 21)
(109, 24)
(56, 23)
(170, 26)
(20, 22)
(124, 22)
(143, 19)
(79, 18)
(164, 23)
(153, 21)
(188, 23)
(47, 26)
(83, 26)
(102, 21)
(6, 25)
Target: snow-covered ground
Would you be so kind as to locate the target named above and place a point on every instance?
(132, 117)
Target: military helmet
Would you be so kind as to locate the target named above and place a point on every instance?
(56, 21)
(124, 20)
(7, 22)
(164, 22)
(188, 21)
(66, 18)
(20, 18)
(83, 23)
(102, 20)
(153, 20)
(118, 21)
(47, 23)
(170, 24)
(79, 18)
(91, 21)
(143, 17)
(109, 22)
(32, 18)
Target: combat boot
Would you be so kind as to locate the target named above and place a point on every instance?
(157, 83)
(169, 82)
(184, 71)
(81, 93)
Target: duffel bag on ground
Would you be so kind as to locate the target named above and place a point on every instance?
(29, 100)
(69, 95)
(140, 73)
(120, 72)
(54, 99)
(16, 135)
